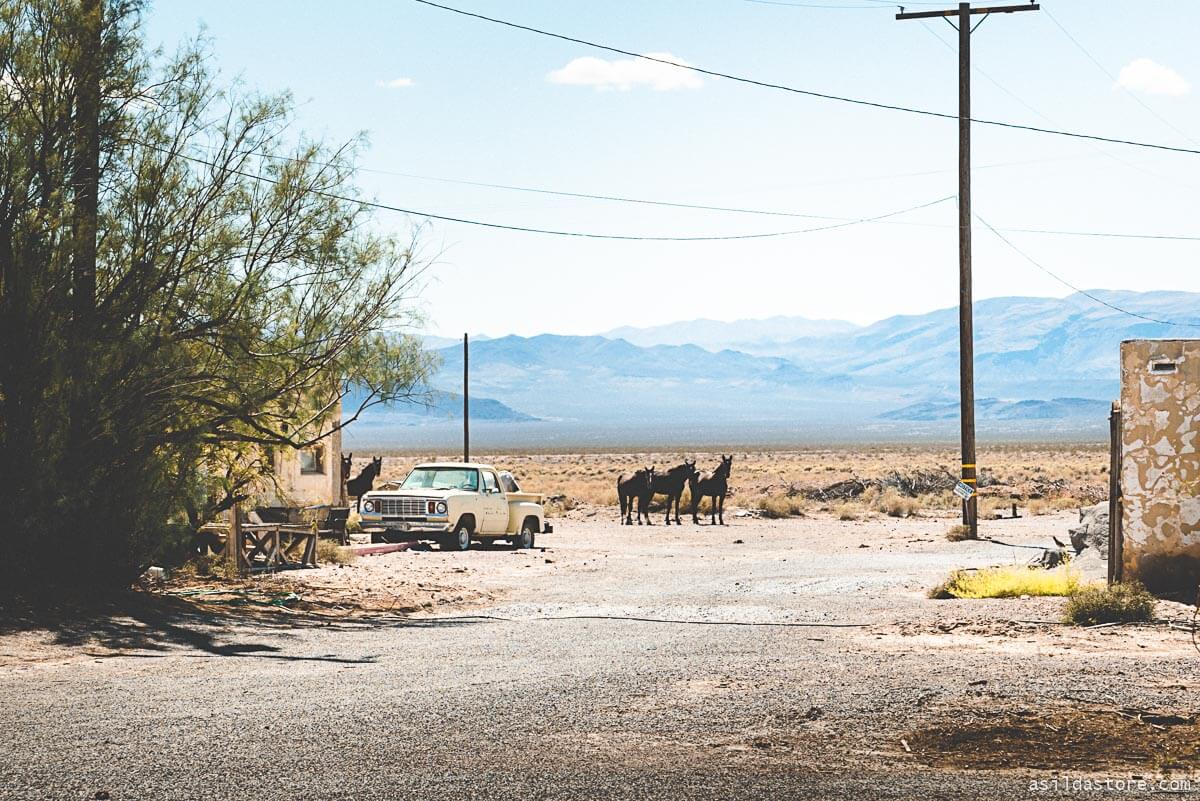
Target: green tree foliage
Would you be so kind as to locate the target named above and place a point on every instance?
(241, 292)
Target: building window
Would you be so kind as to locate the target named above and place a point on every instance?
(312, 461)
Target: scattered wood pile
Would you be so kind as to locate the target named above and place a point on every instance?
(911, 484)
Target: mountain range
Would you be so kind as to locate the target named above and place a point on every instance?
(1043, 365)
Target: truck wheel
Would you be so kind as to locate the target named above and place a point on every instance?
(525, 538)
(460, 540)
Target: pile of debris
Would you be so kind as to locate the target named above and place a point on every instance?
(913, 484)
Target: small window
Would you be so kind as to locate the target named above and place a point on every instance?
(1163, 367)
(312, 461)
(489, 482)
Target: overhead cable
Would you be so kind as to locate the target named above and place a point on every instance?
(808, 92)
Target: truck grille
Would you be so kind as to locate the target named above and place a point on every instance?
(402, 507)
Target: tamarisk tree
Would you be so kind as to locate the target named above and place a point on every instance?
(237, 291)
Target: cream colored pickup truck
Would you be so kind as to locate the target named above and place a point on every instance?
(454, 503)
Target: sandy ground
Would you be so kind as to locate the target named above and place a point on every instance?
(764, 659)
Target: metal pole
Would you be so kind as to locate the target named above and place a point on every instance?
(966, 337)
(466, 400)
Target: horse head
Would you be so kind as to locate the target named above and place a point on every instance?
(347, 461)
(376, 466)
(726, 466)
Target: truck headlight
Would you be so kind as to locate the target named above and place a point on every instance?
(441, 507)
(368, 506)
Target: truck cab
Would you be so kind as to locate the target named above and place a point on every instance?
(454, 504)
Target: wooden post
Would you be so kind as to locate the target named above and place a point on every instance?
(966, 335)
(466, 400)
(233, 544)
(1116, 559)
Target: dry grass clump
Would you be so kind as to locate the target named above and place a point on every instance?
(891, 503)
(782, 504)
(329, 552)
(1008, 582)
(846, 511)
(958, 533)
(205, 565)
(1118, 603)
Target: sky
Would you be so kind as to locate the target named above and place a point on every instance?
(441, 96)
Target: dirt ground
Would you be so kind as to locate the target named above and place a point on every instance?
(766, 658)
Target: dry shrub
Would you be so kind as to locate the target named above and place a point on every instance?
(891, 503)
(1038, 506)
(329, 552)
(958, 533)
(205, 565)
(781, 504)
(846, 511)
(988, 506)
(1118, 603)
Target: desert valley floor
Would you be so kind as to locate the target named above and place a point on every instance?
(793, 658)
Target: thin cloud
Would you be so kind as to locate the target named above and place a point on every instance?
(626, 73)
(1151, 78)
(395, 83)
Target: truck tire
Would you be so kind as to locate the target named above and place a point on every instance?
(525, 538)
(460, 540)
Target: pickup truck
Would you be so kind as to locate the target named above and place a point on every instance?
(454, 503)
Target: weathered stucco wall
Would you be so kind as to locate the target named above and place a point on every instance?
(1160, 467)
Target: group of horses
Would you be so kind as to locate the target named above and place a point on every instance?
(642, 485)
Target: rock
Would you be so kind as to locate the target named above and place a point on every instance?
(1092, 531)
(154, 576)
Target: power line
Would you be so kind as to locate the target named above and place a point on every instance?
(733, 209)
(806, 92)
(552, 232)
(1115, 80)
(1083, 292)
(810, 5)
(1100, 151)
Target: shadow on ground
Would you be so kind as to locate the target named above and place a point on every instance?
(146, 624)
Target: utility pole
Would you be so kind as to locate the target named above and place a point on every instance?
(466, 401)
(966, 334)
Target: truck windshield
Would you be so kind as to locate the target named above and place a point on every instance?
(442, 478)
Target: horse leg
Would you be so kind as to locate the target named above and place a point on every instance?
(721, 513)
(695, 507)
(621, 500)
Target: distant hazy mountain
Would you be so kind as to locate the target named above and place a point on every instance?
(995, 409)
(1042, 365)
(436, 406)
(748, 336)
(435, 342)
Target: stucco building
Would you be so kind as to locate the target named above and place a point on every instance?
(1157, 534)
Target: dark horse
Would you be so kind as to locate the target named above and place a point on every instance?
(713, 485)
(631, 487)
(361, 484)
(671, 484)
(347, 461)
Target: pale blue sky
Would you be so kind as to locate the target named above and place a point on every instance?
(480, 104)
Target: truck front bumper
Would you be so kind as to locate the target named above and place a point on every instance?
(430, 528)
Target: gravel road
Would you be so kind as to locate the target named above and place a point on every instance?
(541, 687)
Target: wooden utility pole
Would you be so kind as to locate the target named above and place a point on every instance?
(466, 400)
(966, 324)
